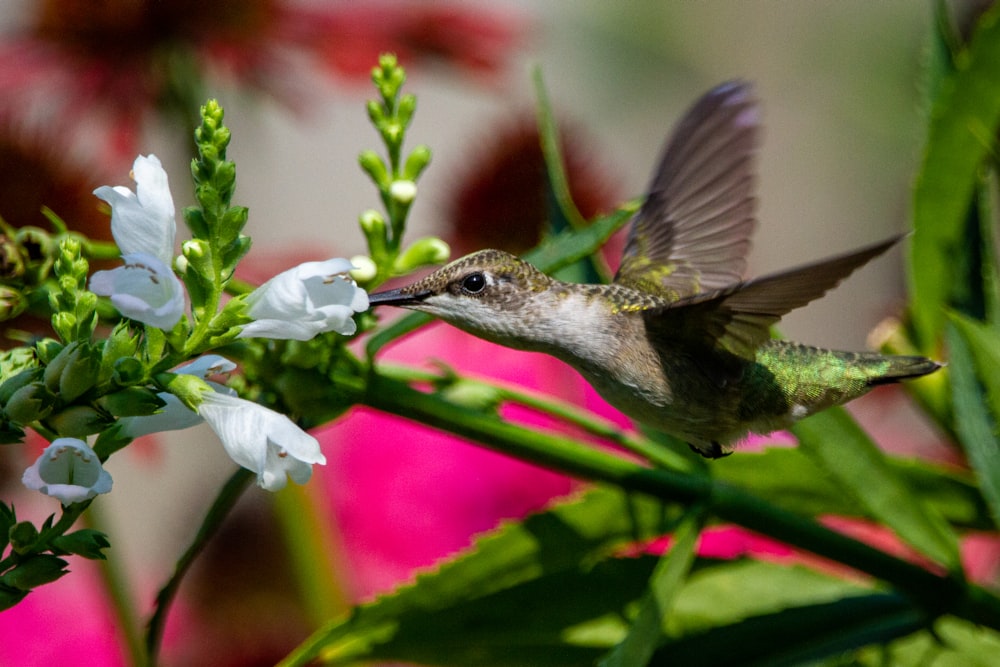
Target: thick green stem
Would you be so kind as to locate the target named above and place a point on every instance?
(935, 592)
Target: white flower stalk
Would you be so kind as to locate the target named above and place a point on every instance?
(302, 302)
(142, 223)
(261, 440)
(68, 470)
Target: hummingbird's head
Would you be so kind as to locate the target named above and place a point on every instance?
(488, 293)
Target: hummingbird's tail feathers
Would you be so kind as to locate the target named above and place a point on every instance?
(693, 231)
(739, 317)
(904, 368)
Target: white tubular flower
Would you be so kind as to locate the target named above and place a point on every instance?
(261, 440)
(174, 415)
(145, 289)
(143, 221)
(302, 302)
(143, 225)
(69, 470)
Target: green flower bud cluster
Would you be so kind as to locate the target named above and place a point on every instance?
(74, 307)
(77, 389)
(28, 258)
(211, 256)
(396, 180)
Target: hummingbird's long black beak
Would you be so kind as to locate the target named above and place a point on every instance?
(396, 297)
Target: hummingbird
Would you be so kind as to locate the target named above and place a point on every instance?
(679, 340)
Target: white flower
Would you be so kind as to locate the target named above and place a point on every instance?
(145, 289)
(261, 440)
(309, 299)
(69, 470)
(143, 221)
(143, 225)
(175, 416)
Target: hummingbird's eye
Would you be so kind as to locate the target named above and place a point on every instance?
(474, 283)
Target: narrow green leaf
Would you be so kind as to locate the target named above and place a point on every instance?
(553, 157)
(962, 132)
(563, 541)
(664, 585)
(974, 355)
(842, 449)
(568, 247)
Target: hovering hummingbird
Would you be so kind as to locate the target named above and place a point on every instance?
(678, 341)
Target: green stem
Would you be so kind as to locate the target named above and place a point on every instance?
(313, 551)
(220, 508)
(117, 587)
(561, 410)
(934, 591)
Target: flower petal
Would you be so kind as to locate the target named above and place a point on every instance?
(145, 289)
(308, 299)
(261, 440)
(143, 221)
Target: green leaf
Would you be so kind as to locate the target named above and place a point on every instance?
(953, 643)
(8, 518)
(798, 635)
(526, 558)
(87, 542)
(664, 586)
(564, 618)
(9, 597)
(719, 593)
(568, 247)
(789, 479)
(974, 352)
(962, 132)
(842, 449)
(34, 571)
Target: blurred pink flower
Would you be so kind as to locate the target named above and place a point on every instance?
(405, 496)
(96, 70)
(69, 617)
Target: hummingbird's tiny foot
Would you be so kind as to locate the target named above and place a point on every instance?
(711, 451)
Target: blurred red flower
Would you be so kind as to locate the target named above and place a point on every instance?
(95, 70)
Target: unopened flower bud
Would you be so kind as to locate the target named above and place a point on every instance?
(417, 162)
(29, 403)
(364, 268)
(77, 421)
(37, 250)
(422, 252)
(23, 536)
(403, 191)
(127, 371)
(12, 303)
(374, 166)
(407, 105)
(11, 262)
(131, 402)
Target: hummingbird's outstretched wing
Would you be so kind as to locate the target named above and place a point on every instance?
(693, 231)
(738, 318)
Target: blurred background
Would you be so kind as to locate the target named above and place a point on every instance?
(85, 86)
